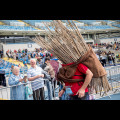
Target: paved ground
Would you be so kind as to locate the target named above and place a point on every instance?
(114, 96)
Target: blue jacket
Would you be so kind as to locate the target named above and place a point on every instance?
(16, 92)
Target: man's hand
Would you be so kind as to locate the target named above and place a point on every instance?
(21, 80)
(25, 78)
(42, 75)
(36, 77)
(61, 93)
(81, 93)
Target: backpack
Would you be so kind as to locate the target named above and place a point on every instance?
(65, 73)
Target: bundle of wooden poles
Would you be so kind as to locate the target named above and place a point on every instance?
(69, 46)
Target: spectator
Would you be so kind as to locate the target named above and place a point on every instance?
(29, 57)
(36, 75)
(8, 55)
(39, 62)
(101, 59)
(23, 55)
(11, 55)
(45, 63)
(41, 54)
(113, 58)
(25, 62)
(17, 92)
(17, 56)
(15, 51)
(104, 57)
(10, 51)
(19, 65)
(114, 46)
(56, 65)
(1, 62)
(23, 51)
(19, 51)
(48, 68)
(109, 58)
(47, 54)
(14, 56)
(32, 55)
(26, 50)
(12, 68)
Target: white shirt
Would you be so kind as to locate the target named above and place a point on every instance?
(39, 82)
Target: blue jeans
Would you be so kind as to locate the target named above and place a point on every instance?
(63, 97)
(86, 97)
(110, 62)
(49, 87)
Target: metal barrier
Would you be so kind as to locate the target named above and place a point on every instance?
(51, 88)
(113, 75)
(24, 91)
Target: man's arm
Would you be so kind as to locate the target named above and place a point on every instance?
(88, 78)
(81, 91)
(13, 81)
(62, 91)
(35, 77)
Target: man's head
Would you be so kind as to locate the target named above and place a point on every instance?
(39, 59)
(16, 70)
(47, 60)
(33, 62)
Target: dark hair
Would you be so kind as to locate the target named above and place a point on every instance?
(47, 58)
(39, 59)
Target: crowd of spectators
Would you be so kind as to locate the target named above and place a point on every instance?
(25, 55)
(113, 46)
(39, 61)
(35, 74)
(107, 58)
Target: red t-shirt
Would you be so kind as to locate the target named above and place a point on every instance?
(79, 74)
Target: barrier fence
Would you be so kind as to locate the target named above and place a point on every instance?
(51, 88)
(23, 91)
(113, 75)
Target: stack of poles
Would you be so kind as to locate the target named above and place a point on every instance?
(67, 45)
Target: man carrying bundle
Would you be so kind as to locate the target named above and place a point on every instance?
(79, 89)
(78, 60)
